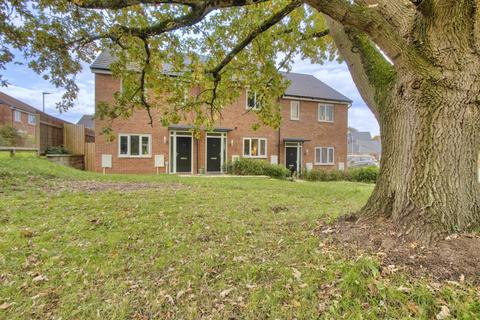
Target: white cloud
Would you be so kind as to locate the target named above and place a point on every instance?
(28, 87)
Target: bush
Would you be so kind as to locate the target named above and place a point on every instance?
(324, 175)
(254, 167)
(56, 150)
(366, 174)
(10, 137)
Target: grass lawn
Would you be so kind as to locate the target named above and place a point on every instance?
(190, 248)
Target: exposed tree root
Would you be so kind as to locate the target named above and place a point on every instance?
(455, 257)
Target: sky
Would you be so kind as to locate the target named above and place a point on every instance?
(27, 86)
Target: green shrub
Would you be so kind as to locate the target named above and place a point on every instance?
(366, 174)
(255, 167)
(56, 150)
(10, 137)
(324, 175)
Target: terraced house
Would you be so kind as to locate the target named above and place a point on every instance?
(312, 134)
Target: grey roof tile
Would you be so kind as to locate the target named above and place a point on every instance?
(301, 85)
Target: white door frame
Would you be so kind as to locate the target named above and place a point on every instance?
(223, 147)
(297, 145)
(173, 149)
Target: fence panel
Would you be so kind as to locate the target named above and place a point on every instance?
(51, 135)
(90, 156)
(74, 138)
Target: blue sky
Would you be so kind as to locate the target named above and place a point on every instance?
(27, 86)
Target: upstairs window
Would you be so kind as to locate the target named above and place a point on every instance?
(134, 145)
(295, 110)
(324, 155)
(17, 116)
(32, 119)
(252, 103)
(325, 112)
(255, 147)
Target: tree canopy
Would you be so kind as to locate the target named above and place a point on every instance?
(220, 47)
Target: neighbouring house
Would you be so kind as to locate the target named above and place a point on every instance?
(362, 143)
(31, 122)
(312, 134)
(87, 121)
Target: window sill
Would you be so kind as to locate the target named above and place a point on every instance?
(134, 157)
(326, 121)
(294, 119)
(257, 157)
(325, 164)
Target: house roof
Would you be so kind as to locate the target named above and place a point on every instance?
(17, 104)
(301, 85)
(307, 86)
(360, 136)
(87, 121)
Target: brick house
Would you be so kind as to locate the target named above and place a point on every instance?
(312, 134)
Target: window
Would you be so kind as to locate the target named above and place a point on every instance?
(32, 119)
(325, 112)
(295, 110)
(17, 116)
(324, 155)
(252, 103)
(134, 145)
(255, 147)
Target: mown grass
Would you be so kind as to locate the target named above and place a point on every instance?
(216, 248)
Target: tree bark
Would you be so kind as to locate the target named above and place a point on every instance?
(430, 132)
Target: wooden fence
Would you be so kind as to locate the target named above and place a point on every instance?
(78, 140)
(74, 138)
(50, 135)
(90, 156)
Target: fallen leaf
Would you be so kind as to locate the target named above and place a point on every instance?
(225, 292)
(39, 278)
(27, 232)
(444, 313)
(297, 274)
(5, 305)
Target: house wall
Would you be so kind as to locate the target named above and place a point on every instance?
(234, 117)
(6, 118)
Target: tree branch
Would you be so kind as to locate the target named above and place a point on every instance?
(379, 30)
(372, 81)
(267, 24)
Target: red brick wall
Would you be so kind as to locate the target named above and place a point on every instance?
(234, 117)
(6, 118)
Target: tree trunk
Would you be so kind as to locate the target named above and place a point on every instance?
(430, 132)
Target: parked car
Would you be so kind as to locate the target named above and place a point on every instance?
(356, 161)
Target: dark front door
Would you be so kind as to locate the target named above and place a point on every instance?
(292, 158)
(184, 154)
(214, 150)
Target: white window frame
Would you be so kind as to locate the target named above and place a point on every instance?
(247, 107)
(320, 163)
(325, 105)
(128, 155)
(250, 149)
(294, 103)
(30, 121)
(17, 115)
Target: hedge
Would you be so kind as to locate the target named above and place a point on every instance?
(255, 167)
(366, 174)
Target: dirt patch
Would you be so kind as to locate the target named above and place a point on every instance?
(456, 258)
(94, 186)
